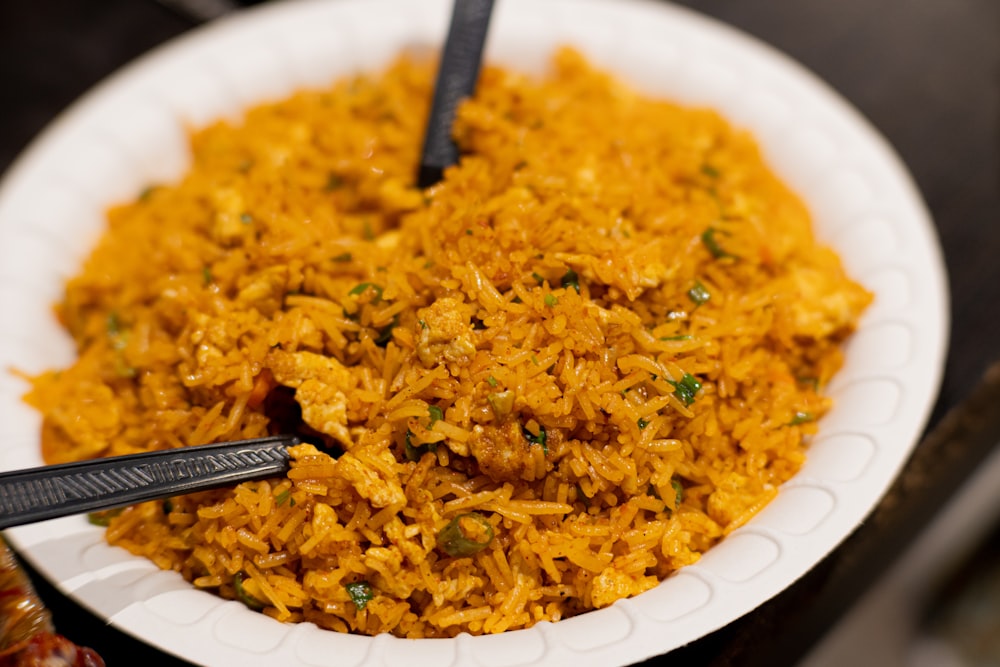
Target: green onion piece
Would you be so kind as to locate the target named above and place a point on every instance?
(119, 341)
(113, 324)
(708, 238)
(698, 293)
(361, 593)
(571, 279)
(709, 171)
(206, 275)
(642, 423)
(366, 230)
(678, 492)
(246, 218)
(333, 182)
(812, 382)
(492, 381)
(360, 289)
(282, 497)
(103, 518)
(534, 360)
(423, 324)
(436, 414)
(466, 535)
(686, 389)
(681, 337)
(245, 597)
(343, 257)
(415, 452)
(502, 403)
(801, 418)
(551, 300)
(385, 333)
(540, 439)
(538, 277)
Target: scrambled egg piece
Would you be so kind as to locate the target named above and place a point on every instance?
(446, 333)
(319, 384)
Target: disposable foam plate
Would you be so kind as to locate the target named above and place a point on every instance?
(131, 131)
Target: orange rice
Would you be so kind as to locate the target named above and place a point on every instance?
(604, 334)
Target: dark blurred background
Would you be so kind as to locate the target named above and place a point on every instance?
(926, 73)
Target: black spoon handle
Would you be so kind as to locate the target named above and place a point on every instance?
(456, 79)
(48, 492)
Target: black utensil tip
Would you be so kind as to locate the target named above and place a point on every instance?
(456, 79)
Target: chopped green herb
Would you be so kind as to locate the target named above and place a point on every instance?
(680, 337)
(466, 535)
(686, 389)
(540, 439)
(361, 593)
(642, 423)
(103, 517)
(551, 300)
(538, 277)
(283, 497)
(492, 381)
(246, 218)
(366, 230)
(206, 275)
(801, 418)
(678, 492)
(468, 232)
(571, 279)
(428, 264)
(333, 182)
(534, 360)
(243, 596)
(436, 415)
(709, 171)
(708, 239)
(360, 289)
(423, 325)
(343, 257)
(699, 294)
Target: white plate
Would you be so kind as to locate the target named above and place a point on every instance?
(131, 131)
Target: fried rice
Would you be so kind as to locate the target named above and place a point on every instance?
(593, 350)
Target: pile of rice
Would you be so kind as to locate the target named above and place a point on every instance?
(592, 351)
